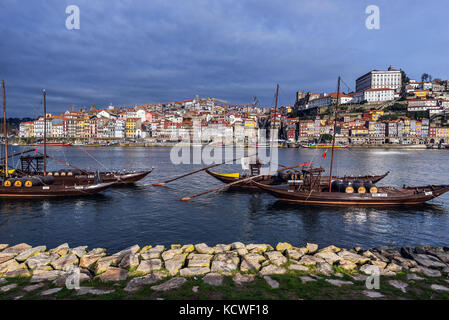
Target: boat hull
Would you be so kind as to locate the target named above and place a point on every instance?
(52, 191)
(272, 180)
(267, 180)
(106, 177)
(385, 197)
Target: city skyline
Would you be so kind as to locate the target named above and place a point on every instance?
(137, 53)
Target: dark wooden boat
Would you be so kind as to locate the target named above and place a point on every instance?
(384, 197)
(77, 177)
(349, 193)
(36, 186)
(32, 165)
(283, 180)
(24, 188)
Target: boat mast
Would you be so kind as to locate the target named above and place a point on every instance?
(5, 131)
(45, 134)
(274, 122)
(333, 138)
(276, 105)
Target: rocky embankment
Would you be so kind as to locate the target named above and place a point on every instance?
(164, 269)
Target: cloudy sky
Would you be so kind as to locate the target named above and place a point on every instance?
(136, 52)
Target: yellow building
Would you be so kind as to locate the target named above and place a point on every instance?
(376, 114)
(131, 127)
(442, 132)
(421, 93)
(359, 131)
(250, 125)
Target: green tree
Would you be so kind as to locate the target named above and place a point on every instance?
(326, 137)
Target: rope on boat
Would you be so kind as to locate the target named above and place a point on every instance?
(107, 169)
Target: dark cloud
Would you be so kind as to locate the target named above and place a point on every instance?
(133, 52)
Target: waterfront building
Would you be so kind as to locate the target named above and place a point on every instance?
(119, 130)
(306, 128)
(359, 131)
(376, 129)
(39, 127)
(132, 124)
(26, 129)
(442, 132)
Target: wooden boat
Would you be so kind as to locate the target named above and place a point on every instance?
(383, 197)
(77, 177)
(338, 193)
(23, 188)
(283, 179)
(38, 187)
(32, 165)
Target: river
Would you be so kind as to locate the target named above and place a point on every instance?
(144, 214)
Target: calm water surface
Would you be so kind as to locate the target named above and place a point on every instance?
(144, 214)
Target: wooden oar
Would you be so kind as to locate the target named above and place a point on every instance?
(243, 180)
(196, 171)
(17, 154)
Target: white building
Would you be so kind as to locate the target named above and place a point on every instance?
(142, 114)
(57, 130)
(374, 95)
(39, 127)
(329, 100)
(106, 114)
(119, 129)
(423, 105)
(377, 79)
(26, 129)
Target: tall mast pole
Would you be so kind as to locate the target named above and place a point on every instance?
(276, 104)
(274, 122)
(333, 138)
(5, 129)
(45, 133)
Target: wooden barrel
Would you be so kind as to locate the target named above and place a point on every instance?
(370, 187)
(337, 186)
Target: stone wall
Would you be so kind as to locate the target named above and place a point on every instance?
(150, 264)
